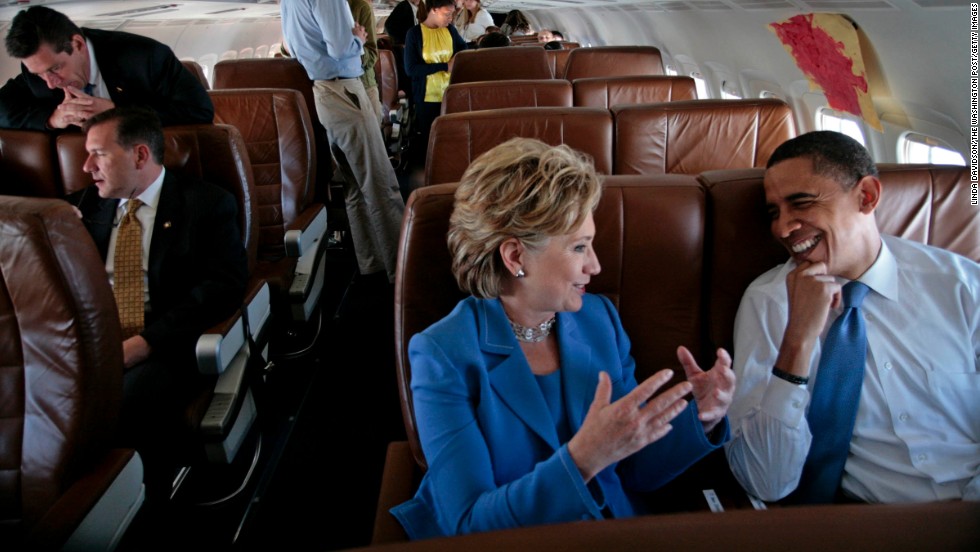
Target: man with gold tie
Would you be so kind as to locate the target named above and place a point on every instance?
(857, 360)
(174, 256)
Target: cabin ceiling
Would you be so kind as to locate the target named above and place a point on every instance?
(157, 10)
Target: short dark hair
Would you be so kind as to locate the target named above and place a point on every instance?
(134, 125)
(40, 25)
(834, 155)
(493, 40)
(552, 45)
(557, 34)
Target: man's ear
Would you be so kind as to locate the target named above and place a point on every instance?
(78, 43)
(142, 155)
(869, 195)
(512, 253)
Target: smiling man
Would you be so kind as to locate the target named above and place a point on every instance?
(69, 74)
(857, 360)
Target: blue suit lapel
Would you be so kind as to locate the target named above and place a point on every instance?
(579, 377)
(512, 380)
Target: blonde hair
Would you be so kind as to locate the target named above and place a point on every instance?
(520, 189)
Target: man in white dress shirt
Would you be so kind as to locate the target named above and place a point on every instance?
(916, 434)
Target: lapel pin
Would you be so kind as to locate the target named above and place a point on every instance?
(118, 89)
(167, 224)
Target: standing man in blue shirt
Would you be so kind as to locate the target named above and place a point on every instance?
(323, 36)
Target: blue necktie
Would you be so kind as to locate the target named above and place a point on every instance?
(89, 88)
(834, 403)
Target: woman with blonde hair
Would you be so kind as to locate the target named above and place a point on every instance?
(472, 21)
(525, 399)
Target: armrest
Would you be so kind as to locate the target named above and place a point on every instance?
(398, 483)
(217, 347)
(53, 530)
(309, 245)
(309, 228)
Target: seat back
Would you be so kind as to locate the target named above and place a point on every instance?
(499, 64)
(27, 164)
(614, 91)
(557, 61)
(61, 378)
(278, 134)
(386, 74)
(475, 96)
(456, 140)
(702, 135)
(213, 153)
(280, 73)
(643, 224)
(928, 204)
(198, 71)
(612, 61)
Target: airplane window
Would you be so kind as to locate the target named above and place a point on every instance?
(700, 85)
(670, 70)
(262, 52)
(229, 54)
(919, 148)
(728, 92)
(246, 53)
(275, 49)
(766, 94)
(828, 119)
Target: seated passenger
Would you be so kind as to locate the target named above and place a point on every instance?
(428, 48)
(557, 36)
(553, 45)
(473, 20)
(70, 74)
(493, 40)
(175, 259)
(544, 36)
(857, 360)
(502, 386)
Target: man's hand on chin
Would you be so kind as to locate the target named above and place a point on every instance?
(135, 350)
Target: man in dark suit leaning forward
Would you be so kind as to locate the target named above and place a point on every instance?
(177, 265)
(69, 74)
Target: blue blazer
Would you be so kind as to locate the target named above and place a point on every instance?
(494, 457)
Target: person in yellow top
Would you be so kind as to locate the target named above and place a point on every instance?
(428, 48)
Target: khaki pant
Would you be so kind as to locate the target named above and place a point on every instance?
(375, 101)
(374, 204)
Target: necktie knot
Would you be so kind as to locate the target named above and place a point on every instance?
(854, 293)
(131, 208)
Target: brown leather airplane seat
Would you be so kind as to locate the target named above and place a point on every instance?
(476, 96)
(691, 137)
(62, 485)
(612, 61)
(500, 64)
(610, 92)
(457, 139)
(27, 164)
(198, 72)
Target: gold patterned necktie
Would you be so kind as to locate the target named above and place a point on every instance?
(128, 271)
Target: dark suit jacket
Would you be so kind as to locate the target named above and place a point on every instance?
(138, 71)
(399, 21)
(495, 458)
(197, 266)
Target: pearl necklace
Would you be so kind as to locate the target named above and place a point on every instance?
(532, 334)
